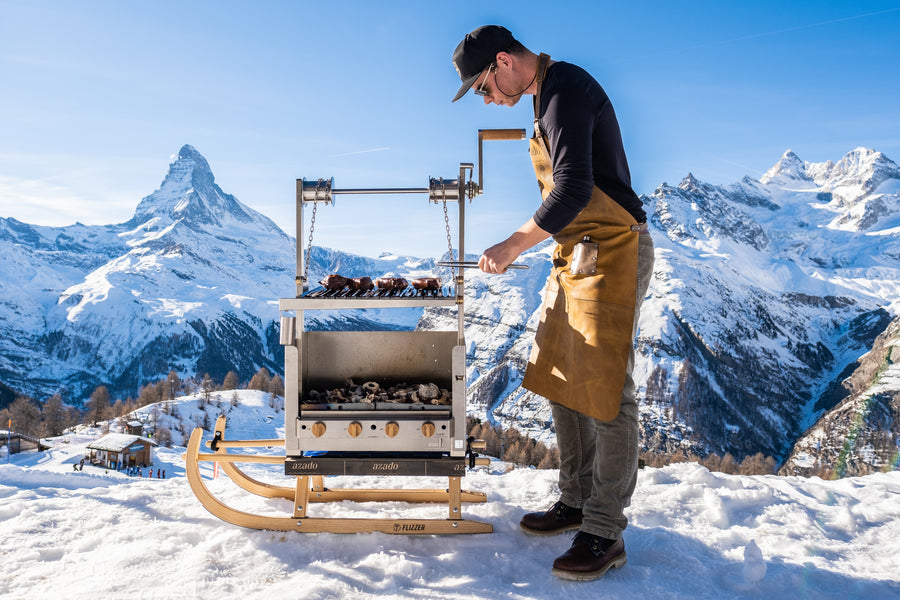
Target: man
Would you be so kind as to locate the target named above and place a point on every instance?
(583, 354)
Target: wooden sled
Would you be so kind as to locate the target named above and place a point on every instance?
(311, 488)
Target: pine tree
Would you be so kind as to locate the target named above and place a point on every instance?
(231, 382)
(54, 416)
(276, 385)
(98, 405)
(26, 416)
(206, 388)
(260, 381)
(174, 385)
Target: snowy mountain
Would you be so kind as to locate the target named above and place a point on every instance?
(190, 283)
(765, 295)
(692, 533)
(858, 436)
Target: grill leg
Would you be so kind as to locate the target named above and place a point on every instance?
(455, 499)
(301, 498)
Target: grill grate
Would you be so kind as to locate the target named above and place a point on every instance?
(408, 292)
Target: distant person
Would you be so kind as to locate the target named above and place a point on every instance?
(583, 353)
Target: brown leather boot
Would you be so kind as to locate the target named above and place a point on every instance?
(589, 557)
(559, 517)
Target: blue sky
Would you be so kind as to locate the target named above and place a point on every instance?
(97, 96)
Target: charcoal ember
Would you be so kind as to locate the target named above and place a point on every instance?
(361, 284)
(315, 395)
(444, 398)
(371, 387)
(334, 282)
(431, 284)
(391, 283)
(337, 395)
(429, 391)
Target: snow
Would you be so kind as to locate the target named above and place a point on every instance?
(692, 533)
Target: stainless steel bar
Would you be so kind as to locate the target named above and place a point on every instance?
(381, 191)
(471, 264)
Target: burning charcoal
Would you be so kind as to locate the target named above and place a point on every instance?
(400, 395)
(314, 394)
(371, 387)
(429, 392)
(334, 282)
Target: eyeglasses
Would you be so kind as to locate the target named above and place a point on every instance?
(481, 91)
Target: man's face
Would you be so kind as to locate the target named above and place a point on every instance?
(486, 87)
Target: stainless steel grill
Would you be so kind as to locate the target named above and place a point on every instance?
(316, 360)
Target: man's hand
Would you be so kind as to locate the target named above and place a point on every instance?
(499, 256)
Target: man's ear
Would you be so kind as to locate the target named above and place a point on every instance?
(505, 59)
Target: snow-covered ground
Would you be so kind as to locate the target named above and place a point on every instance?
(692, 534)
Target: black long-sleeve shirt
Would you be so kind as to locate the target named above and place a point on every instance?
(585, 148)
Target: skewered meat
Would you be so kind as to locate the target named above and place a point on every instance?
(427, 283)
(391, 283)
(361, 284)
(334, 282)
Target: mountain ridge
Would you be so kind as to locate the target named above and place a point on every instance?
(765, 294)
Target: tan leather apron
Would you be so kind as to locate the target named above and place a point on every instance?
(581, 348)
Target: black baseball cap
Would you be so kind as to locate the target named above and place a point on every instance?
(477, 50)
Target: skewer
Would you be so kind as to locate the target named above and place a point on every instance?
(471, 264)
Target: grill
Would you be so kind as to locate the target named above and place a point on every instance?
(365, 402)
(417, 436)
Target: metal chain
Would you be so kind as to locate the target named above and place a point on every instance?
(447, 221)
(312, 227)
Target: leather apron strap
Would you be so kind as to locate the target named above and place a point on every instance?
(543, 63)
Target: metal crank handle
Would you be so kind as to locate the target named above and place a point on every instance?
(470, 264)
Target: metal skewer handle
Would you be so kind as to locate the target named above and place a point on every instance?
(471, 264)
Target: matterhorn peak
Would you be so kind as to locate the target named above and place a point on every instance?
(189, 192)
(188, 170)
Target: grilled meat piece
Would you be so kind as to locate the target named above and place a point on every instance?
(334, 282)
(391, 283)
(427, 283)
(363, 284)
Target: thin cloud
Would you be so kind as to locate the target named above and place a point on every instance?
(361, 152)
